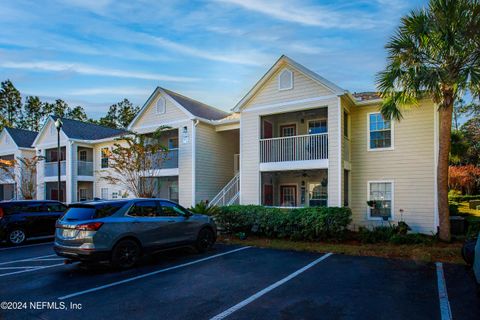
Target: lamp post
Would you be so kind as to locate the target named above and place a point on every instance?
(58, 125)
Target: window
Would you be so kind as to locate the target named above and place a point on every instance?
(170, 209)
(145, 209)
(380, 196)
(56, 207)
(104, 157)
(83, 194)
(317, 194)
(114, 195)
(345, 124)
(173, 192)
(289, 130)
(317, 126)
(173, 143)
(160, 106)
(7, 141)
(104, 193)
(82, 155)
(288, 196)
(52, 129)
(285, 80)
(380, 132)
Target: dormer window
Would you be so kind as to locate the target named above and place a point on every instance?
(52, 130)
(285, 80)
(160, 107)
(7, 141)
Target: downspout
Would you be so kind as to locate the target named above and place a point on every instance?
(195, 122)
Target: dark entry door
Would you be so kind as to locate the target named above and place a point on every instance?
(267, 195)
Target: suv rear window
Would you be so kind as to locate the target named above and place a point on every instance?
(86, 212)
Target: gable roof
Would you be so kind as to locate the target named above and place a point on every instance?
(22, 138)
(80, 130)
(197, 108)
(189, 106)
(282, 61)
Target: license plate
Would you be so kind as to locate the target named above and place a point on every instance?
(69, 233)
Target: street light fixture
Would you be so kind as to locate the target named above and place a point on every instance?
(58, 125)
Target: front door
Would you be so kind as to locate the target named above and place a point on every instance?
(289, 145)
(267, 130)
(288, 196)
(288, 130)
(267, 195)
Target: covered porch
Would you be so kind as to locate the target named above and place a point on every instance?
(7, 191)
(296, 188)
(166, 187)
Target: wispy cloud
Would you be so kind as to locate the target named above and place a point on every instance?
(308, 15)
(57, 66)
(125, 91)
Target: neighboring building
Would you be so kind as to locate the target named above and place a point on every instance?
(14, 144)
(204, 147)
(80, 145)
(307, 142)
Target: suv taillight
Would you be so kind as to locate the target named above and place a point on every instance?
(2, 213)
(93, 226)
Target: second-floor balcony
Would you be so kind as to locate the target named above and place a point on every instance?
(294, 148)
(165, 160)
(7, 174)
(85, 168)
(51, 168)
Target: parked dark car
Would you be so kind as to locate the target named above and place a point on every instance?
(121, 231)
(23, 219)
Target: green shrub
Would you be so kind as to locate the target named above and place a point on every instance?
(462, 198)
(473, 227)
(317, 223)
(203, 208)
(396, 234)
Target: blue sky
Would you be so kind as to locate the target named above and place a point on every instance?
(96, 52)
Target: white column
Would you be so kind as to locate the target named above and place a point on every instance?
(40, 175)
(71, 172)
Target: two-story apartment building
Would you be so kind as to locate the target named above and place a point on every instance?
(80, 160)
(304, 141)
(294, 140)
(15, 144)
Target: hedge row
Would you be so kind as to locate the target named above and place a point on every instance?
(462, 198)
(317, 223)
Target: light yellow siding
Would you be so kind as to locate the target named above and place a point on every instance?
(214, 160)
(410, 165)
(150, 118)
(303, 88)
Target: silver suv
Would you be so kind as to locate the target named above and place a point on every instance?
(121, 231)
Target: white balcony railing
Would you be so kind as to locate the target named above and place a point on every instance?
(51, 168)
(6, 175)
(165, 160)
(295, 148)
(85, 168)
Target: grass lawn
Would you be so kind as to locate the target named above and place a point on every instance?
(438, 252)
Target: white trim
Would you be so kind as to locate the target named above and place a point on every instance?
(241, 162)
(436, 218)
(340, 153)
(156, 126)
(293, 165)
(392, 216)
(253, 108)
(317, 119)
(392, 135)
(290, 72)
(282, 61)
(194, 156)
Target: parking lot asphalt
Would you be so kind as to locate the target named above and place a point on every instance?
(232, 282)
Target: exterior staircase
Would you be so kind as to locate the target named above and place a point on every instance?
(229, 194)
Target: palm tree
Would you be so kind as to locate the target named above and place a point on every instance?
(434, 54)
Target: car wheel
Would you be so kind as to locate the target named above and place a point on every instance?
(125, 254)
(16, 237)
(205, 240)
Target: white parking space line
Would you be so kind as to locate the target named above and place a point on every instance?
(27, 246)
(257, 295)
(150, 274)
(11, 268)
(31, 270)
(28, 259)
(445, 311)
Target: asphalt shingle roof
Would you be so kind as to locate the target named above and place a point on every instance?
(23, 138)
(366, 96)
(197, 108)
(75, 129)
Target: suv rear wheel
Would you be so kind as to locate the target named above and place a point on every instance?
(125, 254)
(16, 236)
(205, 240)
